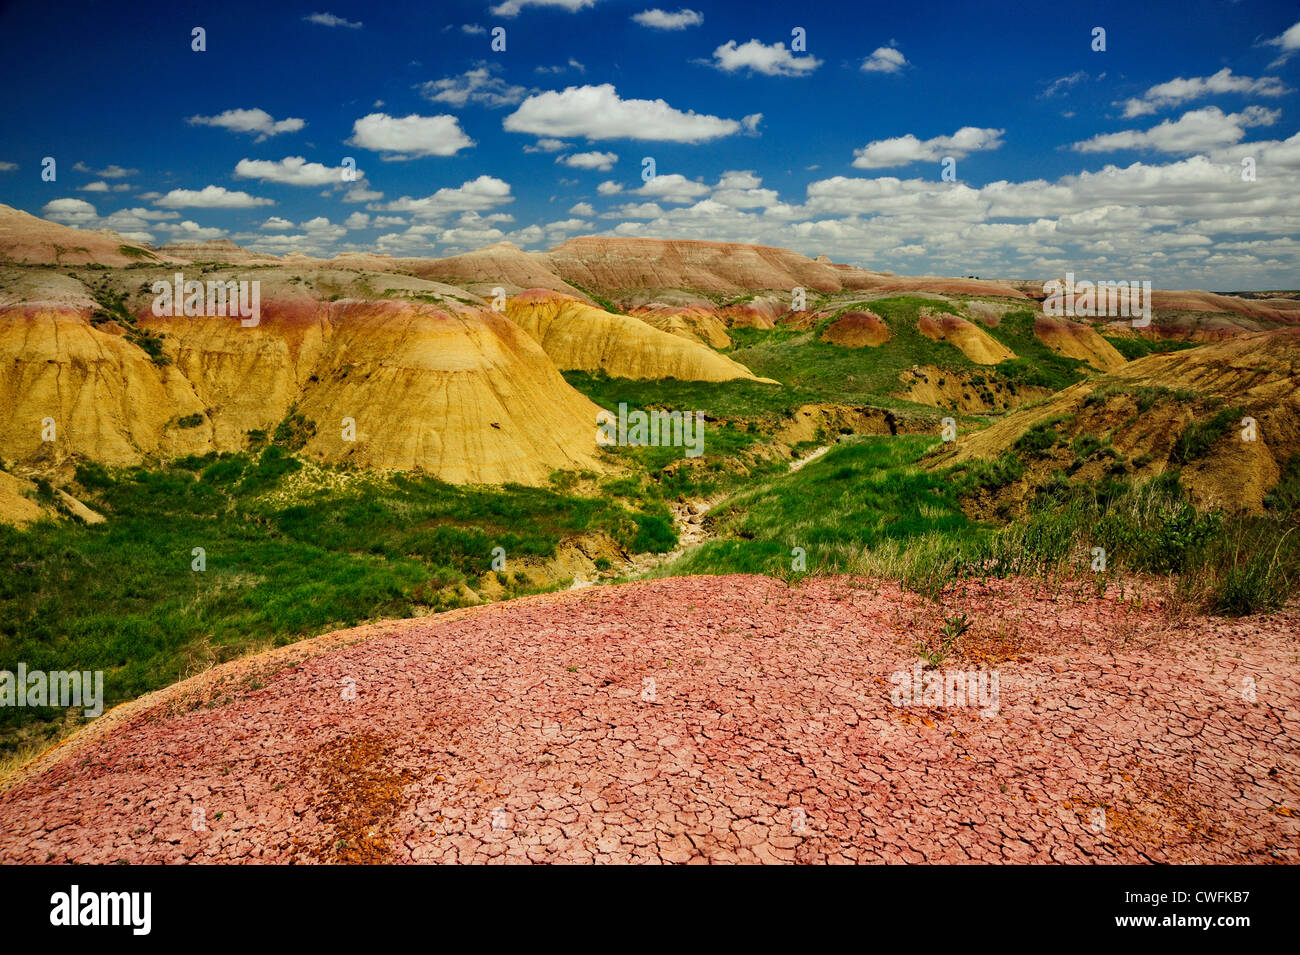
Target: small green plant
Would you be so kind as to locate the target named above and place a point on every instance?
(956, 625)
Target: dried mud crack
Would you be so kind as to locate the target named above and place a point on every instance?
(707, 719)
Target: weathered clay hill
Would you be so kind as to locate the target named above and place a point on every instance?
(501, 265)
(578, 336)
(413, 342)
(701, 719)
(1140, 415)
(610, 265)
(464, 394)
(26, 239)
(215, 250)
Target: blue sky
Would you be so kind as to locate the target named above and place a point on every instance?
(1125, 162)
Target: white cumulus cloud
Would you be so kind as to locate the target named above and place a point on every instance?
(479, 194)
(663, 20)
(511, 8)
(1196, 131)
(409, 136)
(1180, 90)
(593, 160)
(903, 150)
(885, 59)
(758, 57)
(597, 112)
(478, 85)
(249, 121)
(292, 171)
(210, 197)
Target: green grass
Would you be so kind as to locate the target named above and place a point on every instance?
(1139, 347)
(859, 494)
(1199, 436)
(1035, 364)
(866, 507)
(870, 375)
(725, 399)
(122, 597)
(801, 360)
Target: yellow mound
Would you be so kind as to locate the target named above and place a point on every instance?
(1075, 340)
(580, 337)
(246, 379)
(104, 398)
(975, 343)
(16, 505)
(693, 324)
(468, 397)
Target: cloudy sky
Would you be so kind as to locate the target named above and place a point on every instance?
(990, 139)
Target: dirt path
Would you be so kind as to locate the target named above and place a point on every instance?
(715, 719)
(809, 458)
(690, 518)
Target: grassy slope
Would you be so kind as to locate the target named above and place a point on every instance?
(870, 375)
(122, 597)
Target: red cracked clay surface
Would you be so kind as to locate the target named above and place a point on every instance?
(526, 731)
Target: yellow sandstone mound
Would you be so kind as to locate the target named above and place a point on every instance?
(1076, 340)
(69, 388)
(467, 396)
(577, 336)
(1259, 374)
(246, 378)
(464, 395)
(18, 504)
(975, 343)
(693, 323)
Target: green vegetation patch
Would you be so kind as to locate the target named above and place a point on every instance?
(1199, 436)
(1136, 347)
(281, 563)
